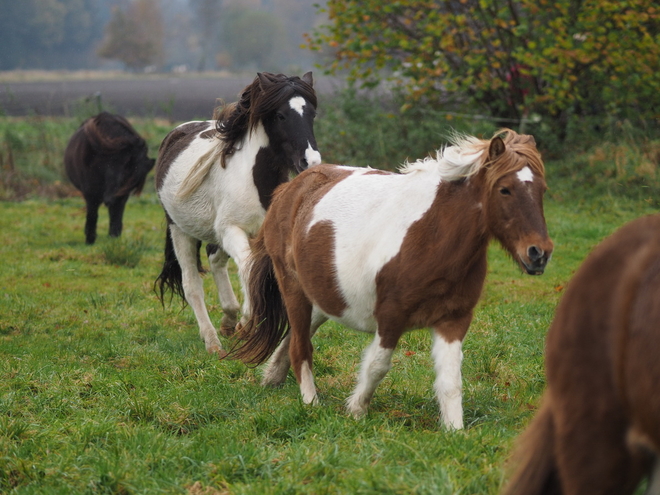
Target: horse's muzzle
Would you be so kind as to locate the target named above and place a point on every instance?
(536, 260)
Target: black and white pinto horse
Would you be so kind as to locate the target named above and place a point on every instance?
(215, 180)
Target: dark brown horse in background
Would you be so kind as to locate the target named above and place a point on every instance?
(598, 429)
(386, 253)
(106, 159)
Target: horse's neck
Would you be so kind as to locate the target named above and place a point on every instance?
(456, 222)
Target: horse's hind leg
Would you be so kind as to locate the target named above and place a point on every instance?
(279, 363)
(376, 362)
(116, 212)
(299, 311)
(186, 250)
(230, 306)
(91, 220)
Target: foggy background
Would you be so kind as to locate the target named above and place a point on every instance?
(168, 58)
(157, 35)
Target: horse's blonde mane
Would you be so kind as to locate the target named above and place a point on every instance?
(465, 155)
(200, 170)
(461, 158)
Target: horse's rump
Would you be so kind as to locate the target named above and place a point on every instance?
(108, 134)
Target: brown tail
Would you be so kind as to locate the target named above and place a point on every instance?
(268, 323)
(534, 461)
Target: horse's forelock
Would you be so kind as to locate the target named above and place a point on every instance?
(279, 91)
(520, 151)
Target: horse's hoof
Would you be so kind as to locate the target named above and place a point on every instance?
(214, 348)
(227, 330)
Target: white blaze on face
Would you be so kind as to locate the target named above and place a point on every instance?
(297, 103)
(525, 175)
(312, 156)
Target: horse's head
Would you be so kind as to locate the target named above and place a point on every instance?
(515, 184)
(290, 110)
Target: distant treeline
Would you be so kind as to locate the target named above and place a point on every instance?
(156, 35)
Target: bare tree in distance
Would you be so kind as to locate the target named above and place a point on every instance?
(135, 35)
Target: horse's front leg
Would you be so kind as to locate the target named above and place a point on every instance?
(236, 244)
(218, 259)
(186, 250)
(447, 357)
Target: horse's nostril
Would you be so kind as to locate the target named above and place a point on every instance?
(534, 253)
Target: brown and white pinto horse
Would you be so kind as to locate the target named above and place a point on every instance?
(598, 429)
(386, 253)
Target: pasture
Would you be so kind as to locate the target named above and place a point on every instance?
(104, 391)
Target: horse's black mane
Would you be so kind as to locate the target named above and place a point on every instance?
(263, 96)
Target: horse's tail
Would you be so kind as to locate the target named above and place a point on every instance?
(171, 277)
(269, 322)
(534, 458)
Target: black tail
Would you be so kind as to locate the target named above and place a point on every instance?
(268, 323)
(170, 277)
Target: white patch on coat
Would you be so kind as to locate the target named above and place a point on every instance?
(525, 175)
(297, 103)
(371, 215)
(312, 156)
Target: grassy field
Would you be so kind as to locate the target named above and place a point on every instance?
(102, 390)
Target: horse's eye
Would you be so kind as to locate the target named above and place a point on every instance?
(280, 116)
(505, 192)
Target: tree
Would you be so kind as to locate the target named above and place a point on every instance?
(511, 57)
(253, 38)
(48, 33)
(135, 36)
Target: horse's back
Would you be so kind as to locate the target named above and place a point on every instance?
(176, 142)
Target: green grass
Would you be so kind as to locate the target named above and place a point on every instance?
(104, 391)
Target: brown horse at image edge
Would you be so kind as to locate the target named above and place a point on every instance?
(598, 428)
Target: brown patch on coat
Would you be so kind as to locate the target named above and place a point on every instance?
(316, 259)
(174, 144)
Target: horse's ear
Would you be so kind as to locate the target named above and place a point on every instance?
(307, 77)
(264, 82)
(496, 148)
